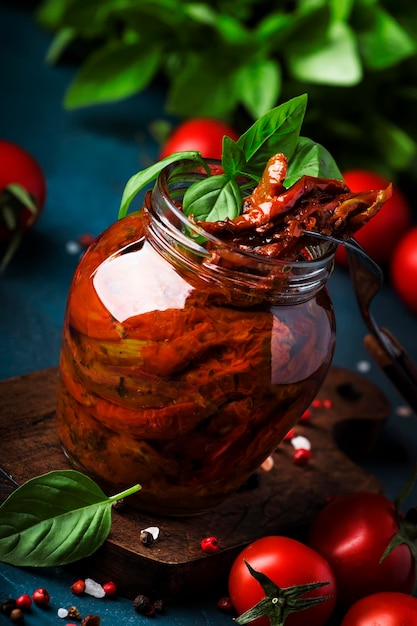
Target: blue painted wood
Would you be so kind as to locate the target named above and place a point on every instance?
(87, 157)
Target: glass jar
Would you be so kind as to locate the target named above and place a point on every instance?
(184, 365)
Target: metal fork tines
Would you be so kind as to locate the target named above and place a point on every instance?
(391, 356)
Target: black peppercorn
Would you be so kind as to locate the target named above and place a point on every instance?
(7, 606)
(142, 604)
(159, 605)
(17, 616)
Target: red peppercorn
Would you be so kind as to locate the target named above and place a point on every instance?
(225, 605)
(210, 544)
(290, 434)
(306, 416)
(85, 239)
(41, 597)
(110, 588)
(301, 456)
(78, 587)
(24, 602)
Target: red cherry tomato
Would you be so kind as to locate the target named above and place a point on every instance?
(383, 609)
(18, 167)
(403, 269)
(286, 562)
(202, 134)
(381, 234)
(352, 533)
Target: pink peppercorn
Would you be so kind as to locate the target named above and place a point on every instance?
(110, 588)
(301, 456)
(209, 545)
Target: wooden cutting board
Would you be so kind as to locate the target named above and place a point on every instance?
(278, 501)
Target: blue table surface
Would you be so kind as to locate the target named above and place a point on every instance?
(87, 156)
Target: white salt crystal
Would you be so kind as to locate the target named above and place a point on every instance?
(154, 530)
(92, 588)
(62, 613)
(301, 442)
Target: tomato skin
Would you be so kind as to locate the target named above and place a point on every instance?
(18, 166)
(202, 134)
(403, 269)
(383, 609)
(352, 533)
(381, 234)
(286, 562)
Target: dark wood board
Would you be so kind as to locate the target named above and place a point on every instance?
(284, 499)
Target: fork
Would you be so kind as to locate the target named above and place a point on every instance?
(367, 279)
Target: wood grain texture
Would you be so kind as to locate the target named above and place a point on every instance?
(278, 502)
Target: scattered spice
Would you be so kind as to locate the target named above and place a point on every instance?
(74, 613)
(301, 456)
(143, 605)
(225, 605)
(110, 588)
(91, 620)
(41, 596)
(210, 544)
(78, 587)
(306, 416)
(17, 616)
(24, 602)
(268, 464)
(92, 588)
(7, 606)
(290, 435)
(62, 612)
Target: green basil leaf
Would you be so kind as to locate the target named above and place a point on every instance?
(55, 519)
(113, 72)
(253, 79)
(385, 43)
(311, 159)
(335, 61)
(213, 199)
(141, 179)
(197, 75)
(233, 159)
(276, 131)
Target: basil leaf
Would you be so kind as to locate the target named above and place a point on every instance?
(252, 80)
(55, 519)
(335, 61)
(111, 73)
(276, 131)
(213, 199)
(311, 159)
(141, 179)
(233, 159)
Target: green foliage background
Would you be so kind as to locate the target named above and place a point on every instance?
(234, 60)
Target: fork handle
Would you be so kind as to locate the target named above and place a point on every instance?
(402, 372)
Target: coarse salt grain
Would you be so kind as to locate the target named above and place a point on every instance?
(301, 442)
(268, 464)
(62, 613)
(403, 411)
(92, 588)
(363, 366)
(154, 530)
(72, 247)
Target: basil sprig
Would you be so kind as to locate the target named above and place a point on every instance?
(55, 519)
(219, 196)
